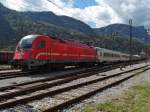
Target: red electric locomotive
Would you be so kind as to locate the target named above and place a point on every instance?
(39, 50)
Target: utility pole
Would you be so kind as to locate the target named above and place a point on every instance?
(130, 23)
(146, 45)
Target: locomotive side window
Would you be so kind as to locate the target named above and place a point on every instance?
(42, 44)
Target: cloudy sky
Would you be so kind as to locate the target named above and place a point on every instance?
(96, 13)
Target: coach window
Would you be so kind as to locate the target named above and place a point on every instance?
(42, 44)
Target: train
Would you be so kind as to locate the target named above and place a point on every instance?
(37, 51)
(6, 57)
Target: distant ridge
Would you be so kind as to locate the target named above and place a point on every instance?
(123, 30)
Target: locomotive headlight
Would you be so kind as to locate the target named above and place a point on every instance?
(20, 54)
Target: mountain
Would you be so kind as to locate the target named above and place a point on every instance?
(123, 30)
(62, 21)
(14, 25)
(7, 33)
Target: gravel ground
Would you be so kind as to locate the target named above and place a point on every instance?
(113, 92)
(21, 108)
(100, 97)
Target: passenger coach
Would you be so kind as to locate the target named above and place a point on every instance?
(105, 55)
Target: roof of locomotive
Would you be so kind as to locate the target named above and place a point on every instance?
(72, 42)
(32, 37)
(29, 38)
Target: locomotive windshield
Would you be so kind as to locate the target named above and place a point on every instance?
(26, 42)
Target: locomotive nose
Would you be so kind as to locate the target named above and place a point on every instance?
(22, 55)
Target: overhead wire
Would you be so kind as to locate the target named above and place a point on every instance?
(38, 8)
(55, 4)
(29, 5)
(46, 9)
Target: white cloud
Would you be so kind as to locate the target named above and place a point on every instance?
(100, 15)
(138, 10)
(14, 4)
(104, 13)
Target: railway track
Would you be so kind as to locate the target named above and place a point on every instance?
(84, 73)
(2, 69)
(7, 75)
(77, 74)
(14, 74)
(29, 91)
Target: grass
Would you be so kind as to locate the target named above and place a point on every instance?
(136, 99)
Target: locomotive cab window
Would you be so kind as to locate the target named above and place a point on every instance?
(42, 44)
(26, 42)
